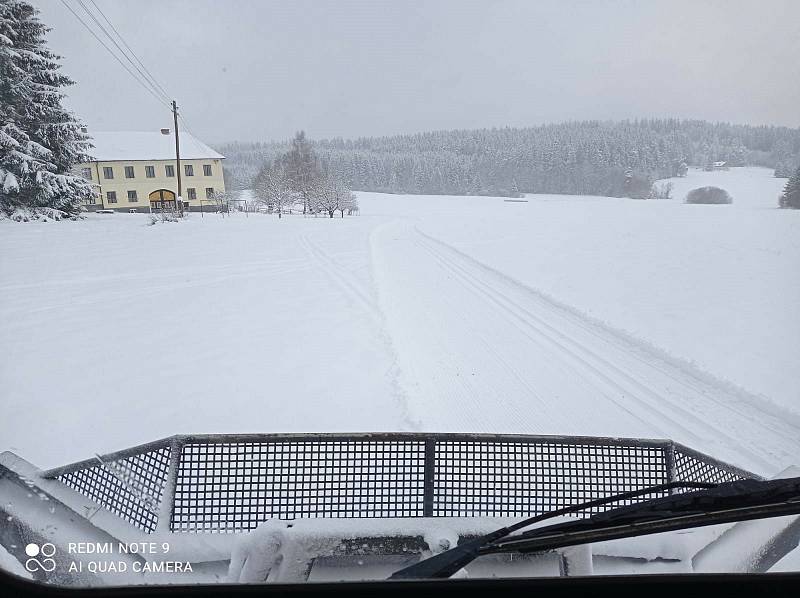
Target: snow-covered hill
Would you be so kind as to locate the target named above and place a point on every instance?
(562, 315)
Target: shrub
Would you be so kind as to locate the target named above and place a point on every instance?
(38, 215)
(708, 195)
(663, 191)
(637, 186)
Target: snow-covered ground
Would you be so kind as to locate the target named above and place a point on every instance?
(10, 564)
(562, 315)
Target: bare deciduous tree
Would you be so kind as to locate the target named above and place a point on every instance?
(222, 201)
(302, 169)
(332, 195)
(274, 188)
(349, 203)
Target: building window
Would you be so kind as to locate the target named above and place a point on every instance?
(191, 193)
(150, 172)
(188, 169)
(86, 173)
(169, 170)
(129, 172)
(209, 192)
(206, 169)
(108, 172)
(132, 196)
(91, 201)
(111, 196)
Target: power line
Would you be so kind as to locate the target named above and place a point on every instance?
(146, 79)
(152, 78)
(185, 124)
(148, 88)
(121, 51)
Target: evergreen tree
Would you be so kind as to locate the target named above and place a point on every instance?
(791, 193)
(783, 170)
(40, 141)
(587, 157)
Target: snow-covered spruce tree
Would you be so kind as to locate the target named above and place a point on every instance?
(791, 193)
(40, 141)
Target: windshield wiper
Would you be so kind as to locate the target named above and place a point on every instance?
(718, 503)
(446, 563)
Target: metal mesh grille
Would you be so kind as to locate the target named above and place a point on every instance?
(233, 483)
(516, 478)
(131, 487)
(235, 486)
(691, 468)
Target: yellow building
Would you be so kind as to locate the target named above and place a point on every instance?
(137, 171)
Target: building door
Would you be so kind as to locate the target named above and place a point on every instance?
(162, 199)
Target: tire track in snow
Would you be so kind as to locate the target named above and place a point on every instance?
(165, 272)
(340, 276)
(128, 293)
(651, 393)
(736, 400)
(584, 363)
(577, 365)
(451, 392)
(354, 291)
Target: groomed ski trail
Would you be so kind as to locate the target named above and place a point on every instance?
(480, 352)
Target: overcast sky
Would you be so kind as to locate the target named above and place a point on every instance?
(259, 70)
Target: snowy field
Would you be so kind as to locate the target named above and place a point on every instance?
(562, 315)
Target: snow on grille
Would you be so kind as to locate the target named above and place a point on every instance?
(131, 487)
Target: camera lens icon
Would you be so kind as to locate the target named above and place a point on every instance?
(44, 562)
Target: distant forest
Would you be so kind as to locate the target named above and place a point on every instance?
(614, 159)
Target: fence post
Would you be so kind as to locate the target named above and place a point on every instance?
(167, 505)
(669, 463)
(429, 473)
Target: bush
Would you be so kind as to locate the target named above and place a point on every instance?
(165, 216)
(663, 191)
(637, 186)
(708, 195)
(37, 215)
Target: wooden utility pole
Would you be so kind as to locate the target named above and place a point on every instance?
(177, 157)
(99, 186)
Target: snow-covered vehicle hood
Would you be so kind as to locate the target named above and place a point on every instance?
(271, 507)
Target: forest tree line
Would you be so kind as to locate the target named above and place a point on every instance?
(590, 157)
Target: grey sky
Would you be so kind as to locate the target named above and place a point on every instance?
(257, 70)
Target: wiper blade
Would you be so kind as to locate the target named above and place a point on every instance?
(731, 502)
(723, 503)
(445, 564)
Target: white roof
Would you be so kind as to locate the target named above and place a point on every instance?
(147, 145)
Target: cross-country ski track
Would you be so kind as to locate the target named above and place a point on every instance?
(580, 316)
(480, 352)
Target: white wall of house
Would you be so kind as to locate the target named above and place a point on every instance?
(129, 184)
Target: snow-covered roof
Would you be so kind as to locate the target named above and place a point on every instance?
(147, 145)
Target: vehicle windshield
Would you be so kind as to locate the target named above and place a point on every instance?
(299, 291)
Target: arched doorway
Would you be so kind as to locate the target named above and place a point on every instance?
(162, 199)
